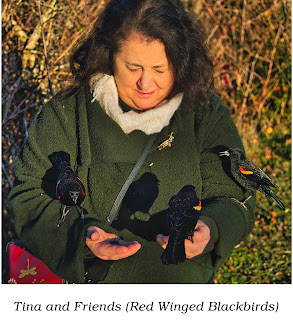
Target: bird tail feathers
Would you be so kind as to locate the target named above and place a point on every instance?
(278, 200)
(174, 253)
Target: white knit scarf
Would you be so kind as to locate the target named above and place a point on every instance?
(104, 90)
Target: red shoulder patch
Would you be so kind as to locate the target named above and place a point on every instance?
(245, 171)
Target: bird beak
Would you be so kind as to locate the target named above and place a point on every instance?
(224, 153)
(74, 196)
(198, 208)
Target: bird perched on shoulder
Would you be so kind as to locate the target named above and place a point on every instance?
(182, 215)
(69, 189)
(250, 176)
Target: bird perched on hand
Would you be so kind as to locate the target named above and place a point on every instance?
(250, 176)
(182, 215)
(69, 189)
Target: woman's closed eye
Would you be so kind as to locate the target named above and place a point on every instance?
(159, 71)
(132, 69)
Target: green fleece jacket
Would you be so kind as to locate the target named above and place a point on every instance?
(103, 156)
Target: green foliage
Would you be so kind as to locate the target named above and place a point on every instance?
(280, 143)
(250, 42)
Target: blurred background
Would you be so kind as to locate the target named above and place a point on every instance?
(250, 44)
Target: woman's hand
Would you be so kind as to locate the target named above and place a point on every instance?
(201, 238)
(106, 247)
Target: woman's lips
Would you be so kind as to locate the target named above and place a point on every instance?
(145, 94)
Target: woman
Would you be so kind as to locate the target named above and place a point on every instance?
(142, 70)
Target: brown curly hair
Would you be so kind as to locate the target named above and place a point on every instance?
(164, 20)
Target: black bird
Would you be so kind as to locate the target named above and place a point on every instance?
(69, 189)
(250, 176)
(140, 196)
(182, 215)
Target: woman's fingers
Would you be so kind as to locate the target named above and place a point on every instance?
(96, 234)
(108, 246)
(201, 237)
(162, 240)
(107, 251)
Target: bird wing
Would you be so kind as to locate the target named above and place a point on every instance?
(252, 172)
(172, 218)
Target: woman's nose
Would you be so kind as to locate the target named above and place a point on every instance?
(145, 81)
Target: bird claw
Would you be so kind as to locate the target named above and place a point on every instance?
(247, 199)
(242, 203)
(82, 215)
(64, 214)
(190, 238)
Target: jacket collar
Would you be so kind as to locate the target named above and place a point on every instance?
(104, 90)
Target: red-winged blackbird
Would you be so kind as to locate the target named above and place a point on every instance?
(182, 215)
(69, 189)
(250, 176)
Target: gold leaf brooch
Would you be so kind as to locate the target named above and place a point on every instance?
(166, 143)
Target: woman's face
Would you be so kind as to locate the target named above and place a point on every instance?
(142, 72)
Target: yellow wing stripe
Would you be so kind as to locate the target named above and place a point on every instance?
(198, 207)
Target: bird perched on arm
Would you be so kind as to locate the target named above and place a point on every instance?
(250, 176)
(182, 215)
(69, 189)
